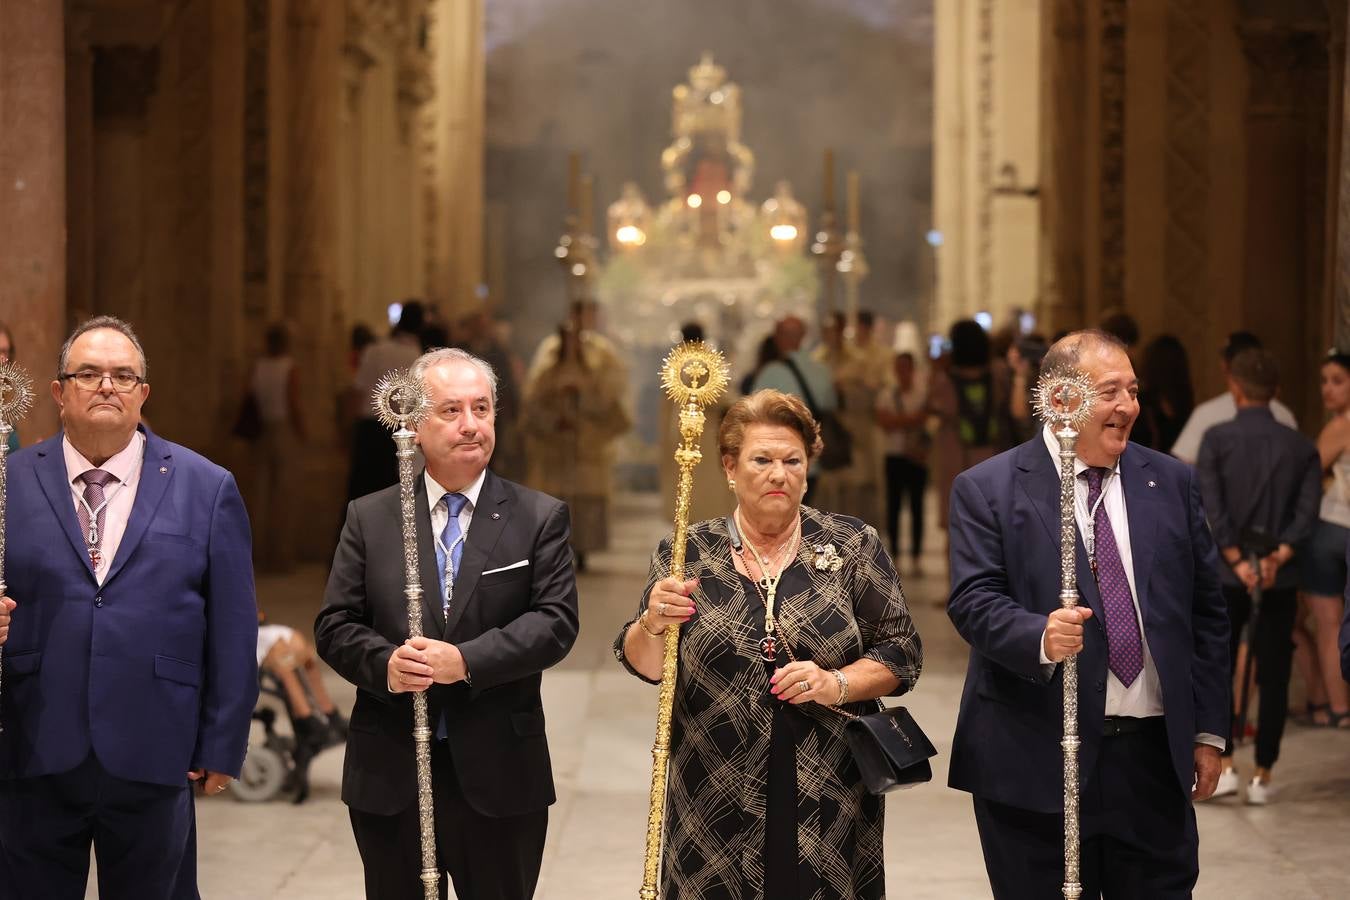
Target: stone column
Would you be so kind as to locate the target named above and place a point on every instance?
(33, 192)
(460, 73)
(1064, 122)
(313, 86)
(1341, 248)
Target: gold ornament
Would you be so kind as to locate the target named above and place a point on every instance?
(16, 399)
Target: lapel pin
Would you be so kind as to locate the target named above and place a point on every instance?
(1153, 484)
(163, 470)
(496, 515)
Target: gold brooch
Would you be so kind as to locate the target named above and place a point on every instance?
(828, 559)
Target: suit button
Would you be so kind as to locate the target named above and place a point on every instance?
(1101, 686)
(98, 601)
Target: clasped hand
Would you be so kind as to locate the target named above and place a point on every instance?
(802, 681)
(1064, 633)
(420, 662)
(7, 606)
(670, 603)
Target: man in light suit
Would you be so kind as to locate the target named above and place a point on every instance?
(1151, 637)
(500, 607)
(129, 632)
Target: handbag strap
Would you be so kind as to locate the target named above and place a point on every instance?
(806, 391)
(787, 645)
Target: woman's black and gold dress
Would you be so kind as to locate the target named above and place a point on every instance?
(743, 762)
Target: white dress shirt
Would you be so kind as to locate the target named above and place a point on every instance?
(440, 515)
(1143, 697)
(125, 466)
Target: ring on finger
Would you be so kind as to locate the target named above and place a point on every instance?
(661, 610)
(804, 686)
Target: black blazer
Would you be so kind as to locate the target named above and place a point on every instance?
(510, 625)
(1005, 581)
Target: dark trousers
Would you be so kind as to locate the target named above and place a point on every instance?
(1138, 834)
(1273, 647)
(487, 858)
(144, 837)
(905, 476)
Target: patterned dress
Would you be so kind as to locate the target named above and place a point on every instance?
(724, 722)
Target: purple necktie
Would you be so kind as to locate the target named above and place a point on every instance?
(1125, 648)
(94, 497)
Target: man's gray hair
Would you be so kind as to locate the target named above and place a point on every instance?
(97, 322)
(432, 358)
(1068, 351)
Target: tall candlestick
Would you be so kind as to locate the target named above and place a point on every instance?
(829, 179)
(573, 181)
(587, 202)
(853, 211)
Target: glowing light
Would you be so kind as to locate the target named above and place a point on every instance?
(579, 269)
(985, 319)
(783, 232)
(724, 197)
(694, 201)
(560, 252)
(630, 235)
(934, 237)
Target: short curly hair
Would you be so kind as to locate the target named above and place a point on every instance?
(768, 407)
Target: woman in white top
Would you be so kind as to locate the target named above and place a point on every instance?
(275, 383)
(1323, 570)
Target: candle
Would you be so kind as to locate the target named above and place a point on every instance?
(829, 179)
(853, 212)
(587, 201)
(573, 180)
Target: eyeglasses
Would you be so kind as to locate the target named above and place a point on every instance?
(122, 382)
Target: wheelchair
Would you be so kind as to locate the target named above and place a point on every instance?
(280, 763)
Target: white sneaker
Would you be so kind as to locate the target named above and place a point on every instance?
(1258, 794)
(1228, 784)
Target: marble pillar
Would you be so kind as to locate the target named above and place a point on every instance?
(33, 192)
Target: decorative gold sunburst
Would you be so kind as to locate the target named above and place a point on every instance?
(1065, 396)
(695, 372)
(400, 401)
(16, 393)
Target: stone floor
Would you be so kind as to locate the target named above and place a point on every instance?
(600, 730)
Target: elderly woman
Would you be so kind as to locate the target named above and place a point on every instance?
(786, 610)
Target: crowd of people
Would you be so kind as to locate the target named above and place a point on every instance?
(1210, 566)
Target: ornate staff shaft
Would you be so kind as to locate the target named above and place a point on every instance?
(1065, 399)
(687, 366)
(400, 401)
(16, 399)
(1068, 599)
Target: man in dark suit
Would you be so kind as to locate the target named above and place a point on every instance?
(129, 640)
(1262, 487)
(500, 607)
(1151, 637)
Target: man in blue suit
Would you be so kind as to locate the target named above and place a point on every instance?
(130, 632)
(1151, 637)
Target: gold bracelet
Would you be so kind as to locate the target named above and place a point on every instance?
(642, 622)
(843, 686)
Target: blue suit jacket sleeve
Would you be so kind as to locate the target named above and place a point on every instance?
(981, 605)
(230, 686)
(1211, 684)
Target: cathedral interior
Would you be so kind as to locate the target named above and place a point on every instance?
(205, 168)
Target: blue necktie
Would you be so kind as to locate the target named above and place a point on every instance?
(450, 539)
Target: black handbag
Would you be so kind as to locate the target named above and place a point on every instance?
(890, 749)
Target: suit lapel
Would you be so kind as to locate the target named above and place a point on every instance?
(432, 601)
(1039, 479)
(1140, 502)
(490, 516)
(52, 475)
(156, 472)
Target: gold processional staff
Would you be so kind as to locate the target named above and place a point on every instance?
(16, 399)
(694, 376)
(1064, 399)
(401, 404)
